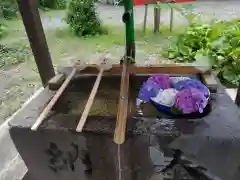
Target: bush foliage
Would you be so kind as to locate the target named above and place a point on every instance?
(2, 30)
(82, 18)
(53, 4)
(217, 44)
(13, 54)
(8, 9)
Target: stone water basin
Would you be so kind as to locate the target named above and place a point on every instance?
(157, 145)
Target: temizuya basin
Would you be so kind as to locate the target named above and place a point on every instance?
(57, 152)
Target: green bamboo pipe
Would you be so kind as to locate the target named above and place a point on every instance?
(128, 19)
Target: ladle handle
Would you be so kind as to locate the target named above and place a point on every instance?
(48, 108)
(120, 129)
(90, 102)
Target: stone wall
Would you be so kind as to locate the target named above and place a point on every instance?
(11, 164)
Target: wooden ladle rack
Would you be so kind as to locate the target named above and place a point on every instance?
(125, 70)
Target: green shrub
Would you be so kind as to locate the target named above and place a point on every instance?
(2, 30)
(53, 4)
(225, 53)
(218, 43)
(195, 38)
(82, 18)
(8, 9)
(13, 54)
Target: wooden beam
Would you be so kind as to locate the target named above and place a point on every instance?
(134, 69)
(33, 26)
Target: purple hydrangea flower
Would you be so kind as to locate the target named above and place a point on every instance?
(149, 89)
(191, 83)
(163, 80)
(191, 100)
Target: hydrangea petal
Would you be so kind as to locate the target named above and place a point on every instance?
(162, 80)
(192, 83)
(190, 100)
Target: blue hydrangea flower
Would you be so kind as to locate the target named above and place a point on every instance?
(149, 89)
(191, 83)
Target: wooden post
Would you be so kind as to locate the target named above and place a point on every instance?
(237, 101)
(145, 18)
(159, 16)
(33, 26)
(156, 19)
(171, 19)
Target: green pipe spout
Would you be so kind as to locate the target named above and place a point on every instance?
(128, 19)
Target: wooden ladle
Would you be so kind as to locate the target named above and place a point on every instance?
(102, 67)
(55, 98)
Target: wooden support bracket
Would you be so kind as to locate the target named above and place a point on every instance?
(56, 82)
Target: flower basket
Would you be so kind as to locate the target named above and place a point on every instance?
(177, 95)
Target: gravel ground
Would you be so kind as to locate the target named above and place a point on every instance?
(208, 9)
(113, 14)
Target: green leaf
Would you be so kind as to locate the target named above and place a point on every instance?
(235, 51)
(203, 61)
(220, 58)
(171, 55)
(218, 43)
(180, 59)
(184, 50)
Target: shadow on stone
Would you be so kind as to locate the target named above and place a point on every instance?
(27, 177)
